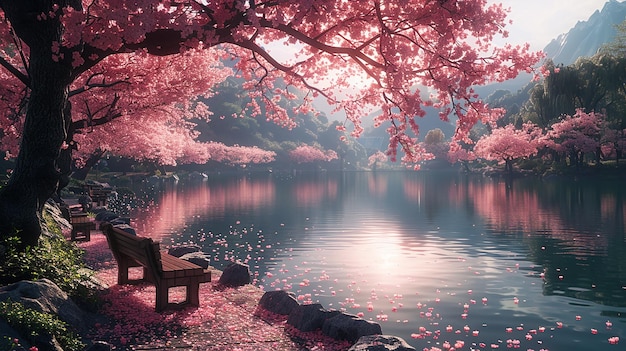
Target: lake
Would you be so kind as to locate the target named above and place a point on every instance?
(435, 258)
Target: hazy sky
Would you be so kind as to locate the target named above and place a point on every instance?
(540, 21)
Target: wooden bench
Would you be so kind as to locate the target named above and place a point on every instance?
(81, 226)
(159, 268)
(97, 193)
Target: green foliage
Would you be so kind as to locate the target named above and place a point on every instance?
(54, 258)
(434, 136)
(536, 165)
(618, 46)
(247, 130)
(33, 324)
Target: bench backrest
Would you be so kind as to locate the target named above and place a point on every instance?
(144, 251)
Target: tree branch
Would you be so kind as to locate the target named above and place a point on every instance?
(89, 85)
(14, 71)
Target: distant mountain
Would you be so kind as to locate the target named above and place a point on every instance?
(583, 40)
(587, 36)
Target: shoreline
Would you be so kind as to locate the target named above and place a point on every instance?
(227, 319)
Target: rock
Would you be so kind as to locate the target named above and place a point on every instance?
(197, 176)
(125, 227)
(100, 209)
(8, 335)
(100, 346)
(349, 327)
(120, 220)
(12, 340)
(56, 213)
(44, 296)
(106, 216)
(235, 274)
(181, 250)
(86, 201)
(311, 317)
(381, 343)
(45, 342)
(279, 302)
(198, 258)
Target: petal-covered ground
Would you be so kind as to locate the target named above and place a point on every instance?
(227, 319)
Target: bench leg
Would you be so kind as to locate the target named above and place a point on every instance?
(146, 275)
(162, 297)
(81, 233)
(193, 294)
(122, 272)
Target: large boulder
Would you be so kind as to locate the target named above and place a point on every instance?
(181, 250)
(55, 211)
(349, 327)
(279, 302)
(381, 343)
(44, 296)
(106, 216)
(235, 274)
(125, 227)
(310, 317)
(199, 258)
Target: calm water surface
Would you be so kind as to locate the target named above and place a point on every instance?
(431, 257)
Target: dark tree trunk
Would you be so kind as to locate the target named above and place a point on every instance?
(64, 161)
(81, 173)
(508, 165)
(35, 177)
(466, 166)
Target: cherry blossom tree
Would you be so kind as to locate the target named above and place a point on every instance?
(240, 155)
(613, 143)
(53, 50)
(574, 136)
(508, 144)
(458, 153)
(308, 154)
(435, 144)
(375, 159)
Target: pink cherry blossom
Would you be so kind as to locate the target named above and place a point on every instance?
(308, 154)
(507, 144)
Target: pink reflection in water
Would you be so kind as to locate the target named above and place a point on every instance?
(175, 208)
(521, 210)
(314, 192)
(377, 185)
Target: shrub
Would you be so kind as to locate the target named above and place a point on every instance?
(54, 258)
(34, 324)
